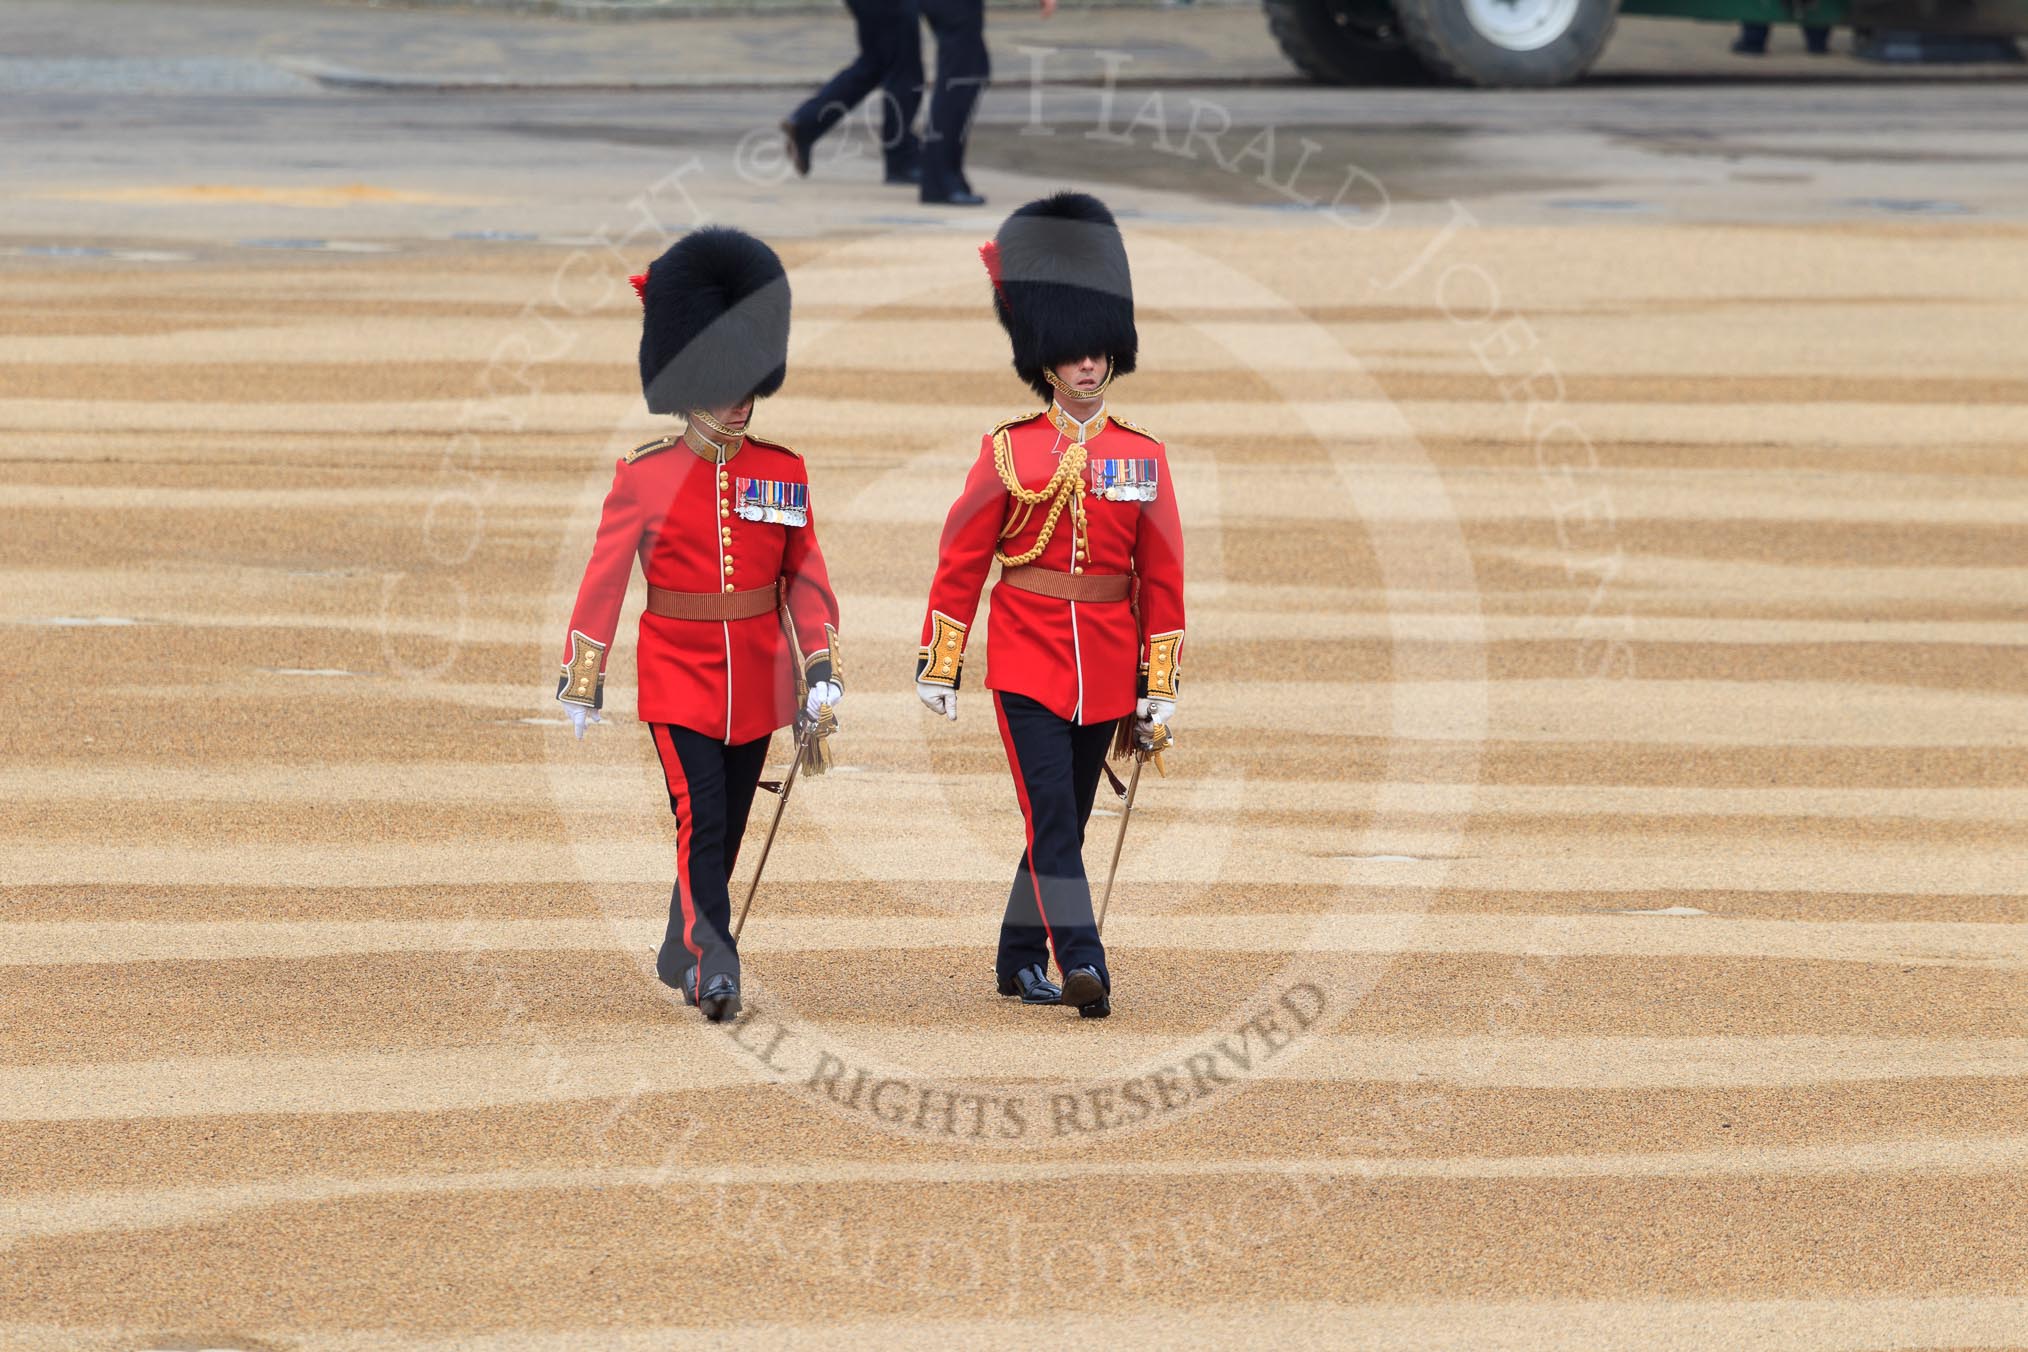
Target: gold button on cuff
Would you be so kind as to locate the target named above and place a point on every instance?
(730, 587)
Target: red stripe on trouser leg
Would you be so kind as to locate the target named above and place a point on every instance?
(1027, 821)
(679, 798)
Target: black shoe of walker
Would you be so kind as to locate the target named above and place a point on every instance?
(798, 148)
(910, 177)
(1081, 986)
(720, 1000)
(1033, 985)
(953, 199)
(1101, 1008)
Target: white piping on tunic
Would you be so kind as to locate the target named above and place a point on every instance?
(718, 522)
(1077, 656)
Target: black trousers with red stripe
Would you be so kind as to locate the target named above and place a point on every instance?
(1056, 765)
(711, 788)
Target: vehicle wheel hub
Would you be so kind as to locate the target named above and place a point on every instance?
(1521, 25)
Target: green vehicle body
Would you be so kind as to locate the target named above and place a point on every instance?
(1538, 43)
(1998, 18)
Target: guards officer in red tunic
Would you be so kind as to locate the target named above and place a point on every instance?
(1078, 508)
(721, 523)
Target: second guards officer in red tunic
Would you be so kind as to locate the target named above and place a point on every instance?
(720, 521)
(1078, 508)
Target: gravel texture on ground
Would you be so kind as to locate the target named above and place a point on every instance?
(1584, 909)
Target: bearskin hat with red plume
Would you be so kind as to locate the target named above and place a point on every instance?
(1061, 286)
(714, 322)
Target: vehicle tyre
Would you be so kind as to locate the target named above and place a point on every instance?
(1507, 43)
(1347, 42)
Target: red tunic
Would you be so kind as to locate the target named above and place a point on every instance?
(700, 527)
(1083, 660)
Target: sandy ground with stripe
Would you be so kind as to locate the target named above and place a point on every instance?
(1586, 909)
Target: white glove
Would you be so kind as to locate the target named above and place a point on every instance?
(823, 692)
(1149, 712)
(939, 699)
(580, 715)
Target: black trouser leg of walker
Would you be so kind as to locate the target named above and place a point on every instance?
(711, 788)
(890, 60)
(1056, 765)
(962, 72)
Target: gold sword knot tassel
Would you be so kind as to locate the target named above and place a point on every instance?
(816, 748)
(1158, 741)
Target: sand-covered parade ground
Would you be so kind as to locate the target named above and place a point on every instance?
(1607, 860)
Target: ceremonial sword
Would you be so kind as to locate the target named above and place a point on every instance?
(805, 730)
(1159, 741)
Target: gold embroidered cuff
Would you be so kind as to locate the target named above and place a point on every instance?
(1163, 670)
(945, 655)
(582, 681)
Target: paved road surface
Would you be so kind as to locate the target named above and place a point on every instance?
(1587, 911)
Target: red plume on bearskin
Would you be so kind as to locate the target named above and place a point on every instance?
(989, 254)
(640, 281)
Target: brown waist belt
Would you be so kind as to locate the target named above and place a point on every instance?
(1068, 586)
(732, 605)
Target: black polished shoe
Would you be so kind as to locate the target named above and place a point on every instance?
(954, 199)
(909, 177)
(1033, 985)
(720, 1000)
(1081, 986)
(1101, 1008)
(799, 149)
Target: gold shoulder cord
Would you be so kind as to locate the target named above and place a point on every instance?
(1136, 427)
(1063, 489)
(650, 447)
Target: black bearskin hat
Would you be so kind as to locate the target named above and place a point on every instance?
(1061, 286)
(714, 322)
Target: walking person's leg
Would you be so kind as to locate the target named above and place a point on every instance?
(1024, 926)
(743, 766)
(1043, 753)
(962, 72)
(699, 934)
(901, 94)
(843, 91)
(1024, 935)
(1089, 743)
